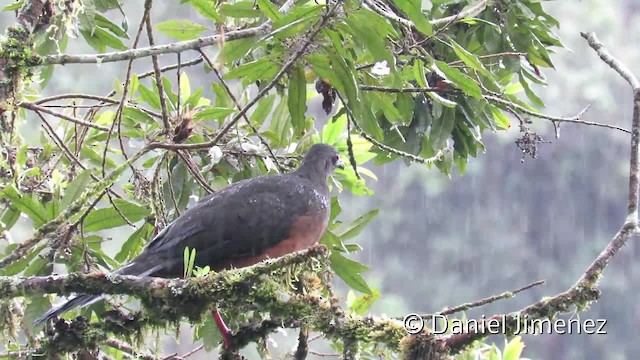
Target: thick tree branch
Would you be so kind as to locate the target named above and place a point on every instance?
(155, 50)
(174, 48)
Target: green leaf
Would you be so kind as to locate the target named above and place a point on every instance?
(181, 29)
(462, 81)
(100, 39)
(332, 130)
(441, 100)
(418, 73)
(103, 22)
(210, 333)
(13, 7)
(88, 153)
(249, 72)
(332, 241)
(530, 94)
(370, 31)
(265, 105)
(37, 306)
(75, 188)
(441, 128)
(134, 244)
(501, 120)
(21, 264)
(290, 29)
(9, 218)
(136, 115)
(234, 50)
(212, 113)
(513, 349)
(297, 99)
(193, 99)
(469, 59)
(357, 225)
(269, 10)
(364, 302)
(413, 10)
(149, 96)
(185, 86)
(26, 204)
(240, 9)
(297, 13)
(21, 156)
(349, 271)
(108, 218)
(206, 8)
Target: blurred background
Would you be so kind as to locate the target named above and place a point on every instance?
(442, 241)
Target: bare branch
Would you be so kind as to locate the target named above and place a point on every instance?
(156, 69)
(470, 12)
(34, 107)
(485, 301)
(154, 50)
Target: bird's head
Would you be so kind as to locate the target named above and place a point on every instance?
(320, 161)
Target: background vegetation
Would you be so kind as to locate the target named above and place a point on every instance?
(441, 240)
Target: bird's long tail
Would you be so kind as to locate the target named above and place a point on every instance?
(80, 300)
(139, 267)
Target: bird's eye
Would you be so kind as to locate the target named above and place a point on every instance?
(336, 158)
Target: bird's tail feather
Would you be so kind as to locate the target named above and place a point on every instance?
(80, 300)
(135, 267)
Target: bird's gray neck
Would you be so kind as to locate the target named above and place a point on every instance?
(313, 172)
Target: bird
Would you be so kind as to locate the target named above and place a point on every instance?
(249, 221)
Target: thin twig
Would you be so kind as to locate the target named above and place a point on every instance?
(171, 190)
(75, 96)
(194, 170)
(122, 346)
(406, 90)
(470, 12)
(488, 56)
(321, 354)
(482, 302)
(34, 107)
(352, 157)
(572, 119)
(158, 74)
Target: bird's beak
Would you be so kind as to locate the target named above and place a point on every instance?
(340, 163)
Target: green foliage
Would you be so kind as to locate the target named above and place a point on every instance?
(392, 90)
(189, 261)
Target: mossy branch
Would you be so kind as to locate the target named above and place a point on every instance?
(239, 290)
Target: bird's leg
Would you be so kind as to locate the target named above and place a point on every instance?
(224, 329)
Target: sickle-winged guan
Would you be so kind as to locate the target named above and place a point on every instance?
(243, 224)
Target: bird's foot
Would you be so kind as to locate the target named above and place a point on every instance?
(224, 329)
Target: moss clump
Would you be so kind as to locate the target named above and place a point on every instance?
(71, 336)
(423, 346)
(17, 54)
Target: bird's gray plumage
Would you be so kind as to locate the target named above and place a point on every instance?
(240, 221)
